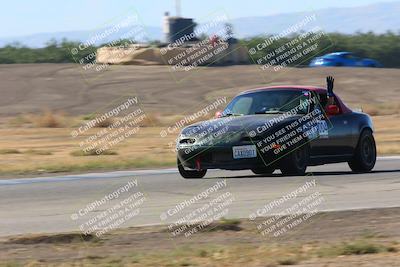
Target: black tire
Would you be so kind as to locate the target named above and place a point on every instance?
(365, 154)
(296, 162)
(190, 174)
(263, 171)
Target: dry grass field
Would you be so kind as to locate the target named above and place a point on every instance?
(41, 104)
(46, 150)
(387, 134)
(31, 88)
(49, 150)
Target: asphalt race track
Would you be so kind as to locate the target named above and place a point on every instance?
(37, 205)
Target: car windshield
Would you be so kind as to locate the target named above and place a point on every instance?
(268, 102)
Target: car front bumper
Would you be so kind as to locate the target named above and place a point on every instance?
(221, 157)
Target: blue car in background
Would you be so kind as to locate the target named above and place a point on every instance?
(343, 59)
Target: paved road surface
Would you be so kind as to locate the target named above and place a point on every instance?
(37, 205)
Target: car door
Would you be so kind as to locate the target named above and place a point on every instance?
(339, 138)
(334, 134)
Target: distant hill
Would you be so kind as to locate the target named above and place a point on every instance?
(378, 18)
(40, 39)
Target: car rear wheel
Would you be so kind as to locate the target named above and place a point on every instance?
(296, 162)
(263, 170)
(365, 155)
(190, 174)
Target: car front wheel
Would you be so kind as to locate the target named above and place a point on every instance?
(365, 155)
(296, 162)
(190, 174)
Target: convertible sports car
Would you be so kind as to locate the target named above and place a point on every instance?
(279, 127)
(343, 59)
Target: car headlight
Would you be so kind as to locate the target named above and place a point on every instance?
(184, 140)
(187, 141)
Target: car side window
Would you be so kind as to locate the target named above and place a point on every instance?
(349, 56)
(323, 101)
(304, 107)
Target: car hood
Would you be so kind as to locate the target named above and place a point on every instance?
(236, 127)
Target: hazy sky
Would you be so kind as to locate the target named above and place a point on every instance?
(38, 16)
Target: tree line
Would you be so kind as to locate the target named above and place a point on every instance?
(382, 47)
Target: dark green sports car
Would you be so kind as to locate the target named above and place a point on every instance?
(280, 127)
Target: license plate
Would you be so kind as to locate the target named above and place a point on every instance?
(244, 152)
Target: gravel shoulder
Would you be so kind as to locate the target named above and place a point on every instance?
(361, 237)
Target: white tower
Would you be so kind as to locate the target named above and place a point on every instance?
(166, 26)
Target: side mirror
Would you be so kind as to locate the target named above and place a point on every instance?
(333, 110)
(218, 114)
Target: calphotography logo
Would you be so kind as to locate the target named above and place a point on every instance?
(117, 208)
(289, 211)
(290, 47)
(119, 41)
(103, 132)
(301, 122)
(200, 212)
(203, 114)
(201, 44)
